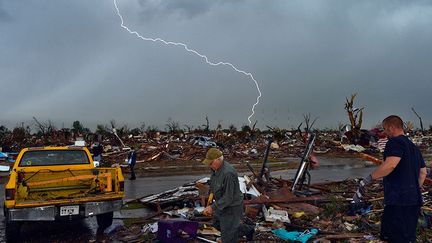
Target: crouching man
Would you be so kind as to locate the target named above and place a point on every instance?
(227, 209)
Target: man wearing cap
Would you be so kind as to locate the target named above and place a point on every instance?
(227, 209)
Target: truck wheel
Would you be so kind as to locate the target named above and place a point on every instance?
(104, 220)
(12, 231)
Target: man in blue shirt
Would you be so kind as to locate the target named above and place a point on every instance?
(403, 172)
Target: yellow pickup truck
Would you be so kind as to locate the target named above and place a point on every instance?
(57, 183)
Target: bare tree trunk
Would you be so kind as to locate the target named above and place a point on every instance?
(207, 126)
(40, 126)
(309, 124)
(355, 116)
(253, 127)
(421, 122)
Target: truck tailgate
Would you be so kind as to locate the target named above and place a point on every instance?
(67, 186)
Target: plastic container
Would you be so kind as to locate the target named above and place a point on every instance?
(176, 230)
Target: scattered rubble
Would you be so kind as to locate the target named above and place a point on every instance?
(280, 210)
(324, 213)
(159, 149)
(275, 211)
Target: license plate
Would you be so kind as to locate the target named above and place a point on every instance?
(69, 210)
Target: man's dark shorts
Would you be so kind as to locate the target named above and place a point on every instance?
(399, 223)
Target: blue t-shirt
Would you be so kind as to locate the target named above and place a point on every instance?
(401, 186)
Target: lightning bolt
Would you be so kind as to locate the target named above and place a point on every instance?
(204, 57)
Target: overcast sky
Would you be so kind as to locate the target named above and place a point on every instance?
(71, 60)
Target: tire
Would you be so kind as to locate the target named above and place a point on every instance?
(104, 220)
(12, 231)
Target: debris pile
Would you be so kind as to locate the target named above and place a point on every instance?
(278, 209)
(178, 148)
(276, 212)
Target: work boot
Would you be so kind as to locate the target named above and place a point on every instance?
(250, 235)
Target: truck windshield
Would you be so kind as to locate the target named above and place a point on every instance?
(54, 157)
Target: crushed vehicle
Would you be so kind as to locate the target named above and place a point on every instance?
(203, 141)
(60, 183)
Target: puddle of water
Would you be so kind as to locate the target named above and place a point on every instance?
(133, 213)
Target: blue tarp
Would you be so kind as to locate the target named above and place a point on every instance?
(295, 235)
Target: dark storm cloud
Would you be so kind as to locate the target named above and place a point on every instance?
(189, 8)
(4, 16)
(184, 8)
(71, 60)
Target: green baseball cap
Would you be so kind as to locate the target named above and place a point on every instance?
(211, 155)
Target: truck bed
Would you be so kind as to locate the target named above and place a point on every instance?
(48, 187)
